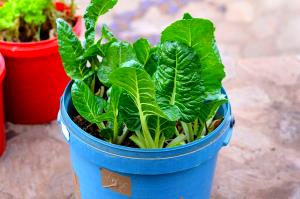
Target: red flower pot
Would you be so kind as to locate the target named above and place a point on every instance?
(2, 129)
(35, 80)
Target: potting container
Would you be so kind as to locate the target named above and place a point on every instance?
(104, 170)
(2, 127)
(35, 80)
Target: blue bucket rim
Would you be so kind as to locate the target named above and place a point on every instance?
(208, 138)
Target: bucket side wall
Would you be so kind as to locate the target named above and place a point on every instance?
(145, 166)
(194, 183)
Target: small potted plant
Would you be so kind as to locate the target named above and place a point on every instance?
(35, 77)
(143, 121)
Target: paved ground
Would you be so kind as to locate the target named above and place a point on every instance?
(263, 159)
(244, 28)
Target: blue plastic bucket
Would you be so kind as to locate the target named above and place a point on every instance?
(107, 171)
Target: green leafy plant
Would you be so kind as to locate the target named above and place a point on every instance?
(141, 95)
(31, 20)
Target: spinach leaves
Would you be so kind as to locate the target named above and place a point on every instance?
(156, 96)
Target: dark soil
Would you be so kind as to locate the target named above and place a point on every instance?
(47, 31)
(94, 130)
(87, 126)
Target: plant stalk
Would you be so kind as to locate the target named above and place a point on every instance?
(123, 136)
(116, 129)
(191, 132)
(101, 125)
(188, 131)
(147, 135)
(157, 133)
(177, 141)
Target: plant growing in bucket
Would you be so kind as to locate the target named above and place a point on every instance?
(143, 121)
(34, 70)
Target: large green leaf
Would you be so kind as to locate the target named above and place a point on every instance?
(146, 55)
(178, 79)
(114, 94)
(142, 49)
(113, 108)
(137, 83)
(87, 103)
(199, 34)
(95, 9)
(70, 50)
(213, 73)
(209, 109)
(115, 55)
(161, 127)
(152, 63)
(196, 33)
(129, 113)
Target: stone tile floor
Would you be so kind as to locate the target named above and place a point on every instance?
(263, 159)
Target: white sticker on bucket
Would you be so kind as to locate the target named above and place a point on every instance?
(65, 132)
